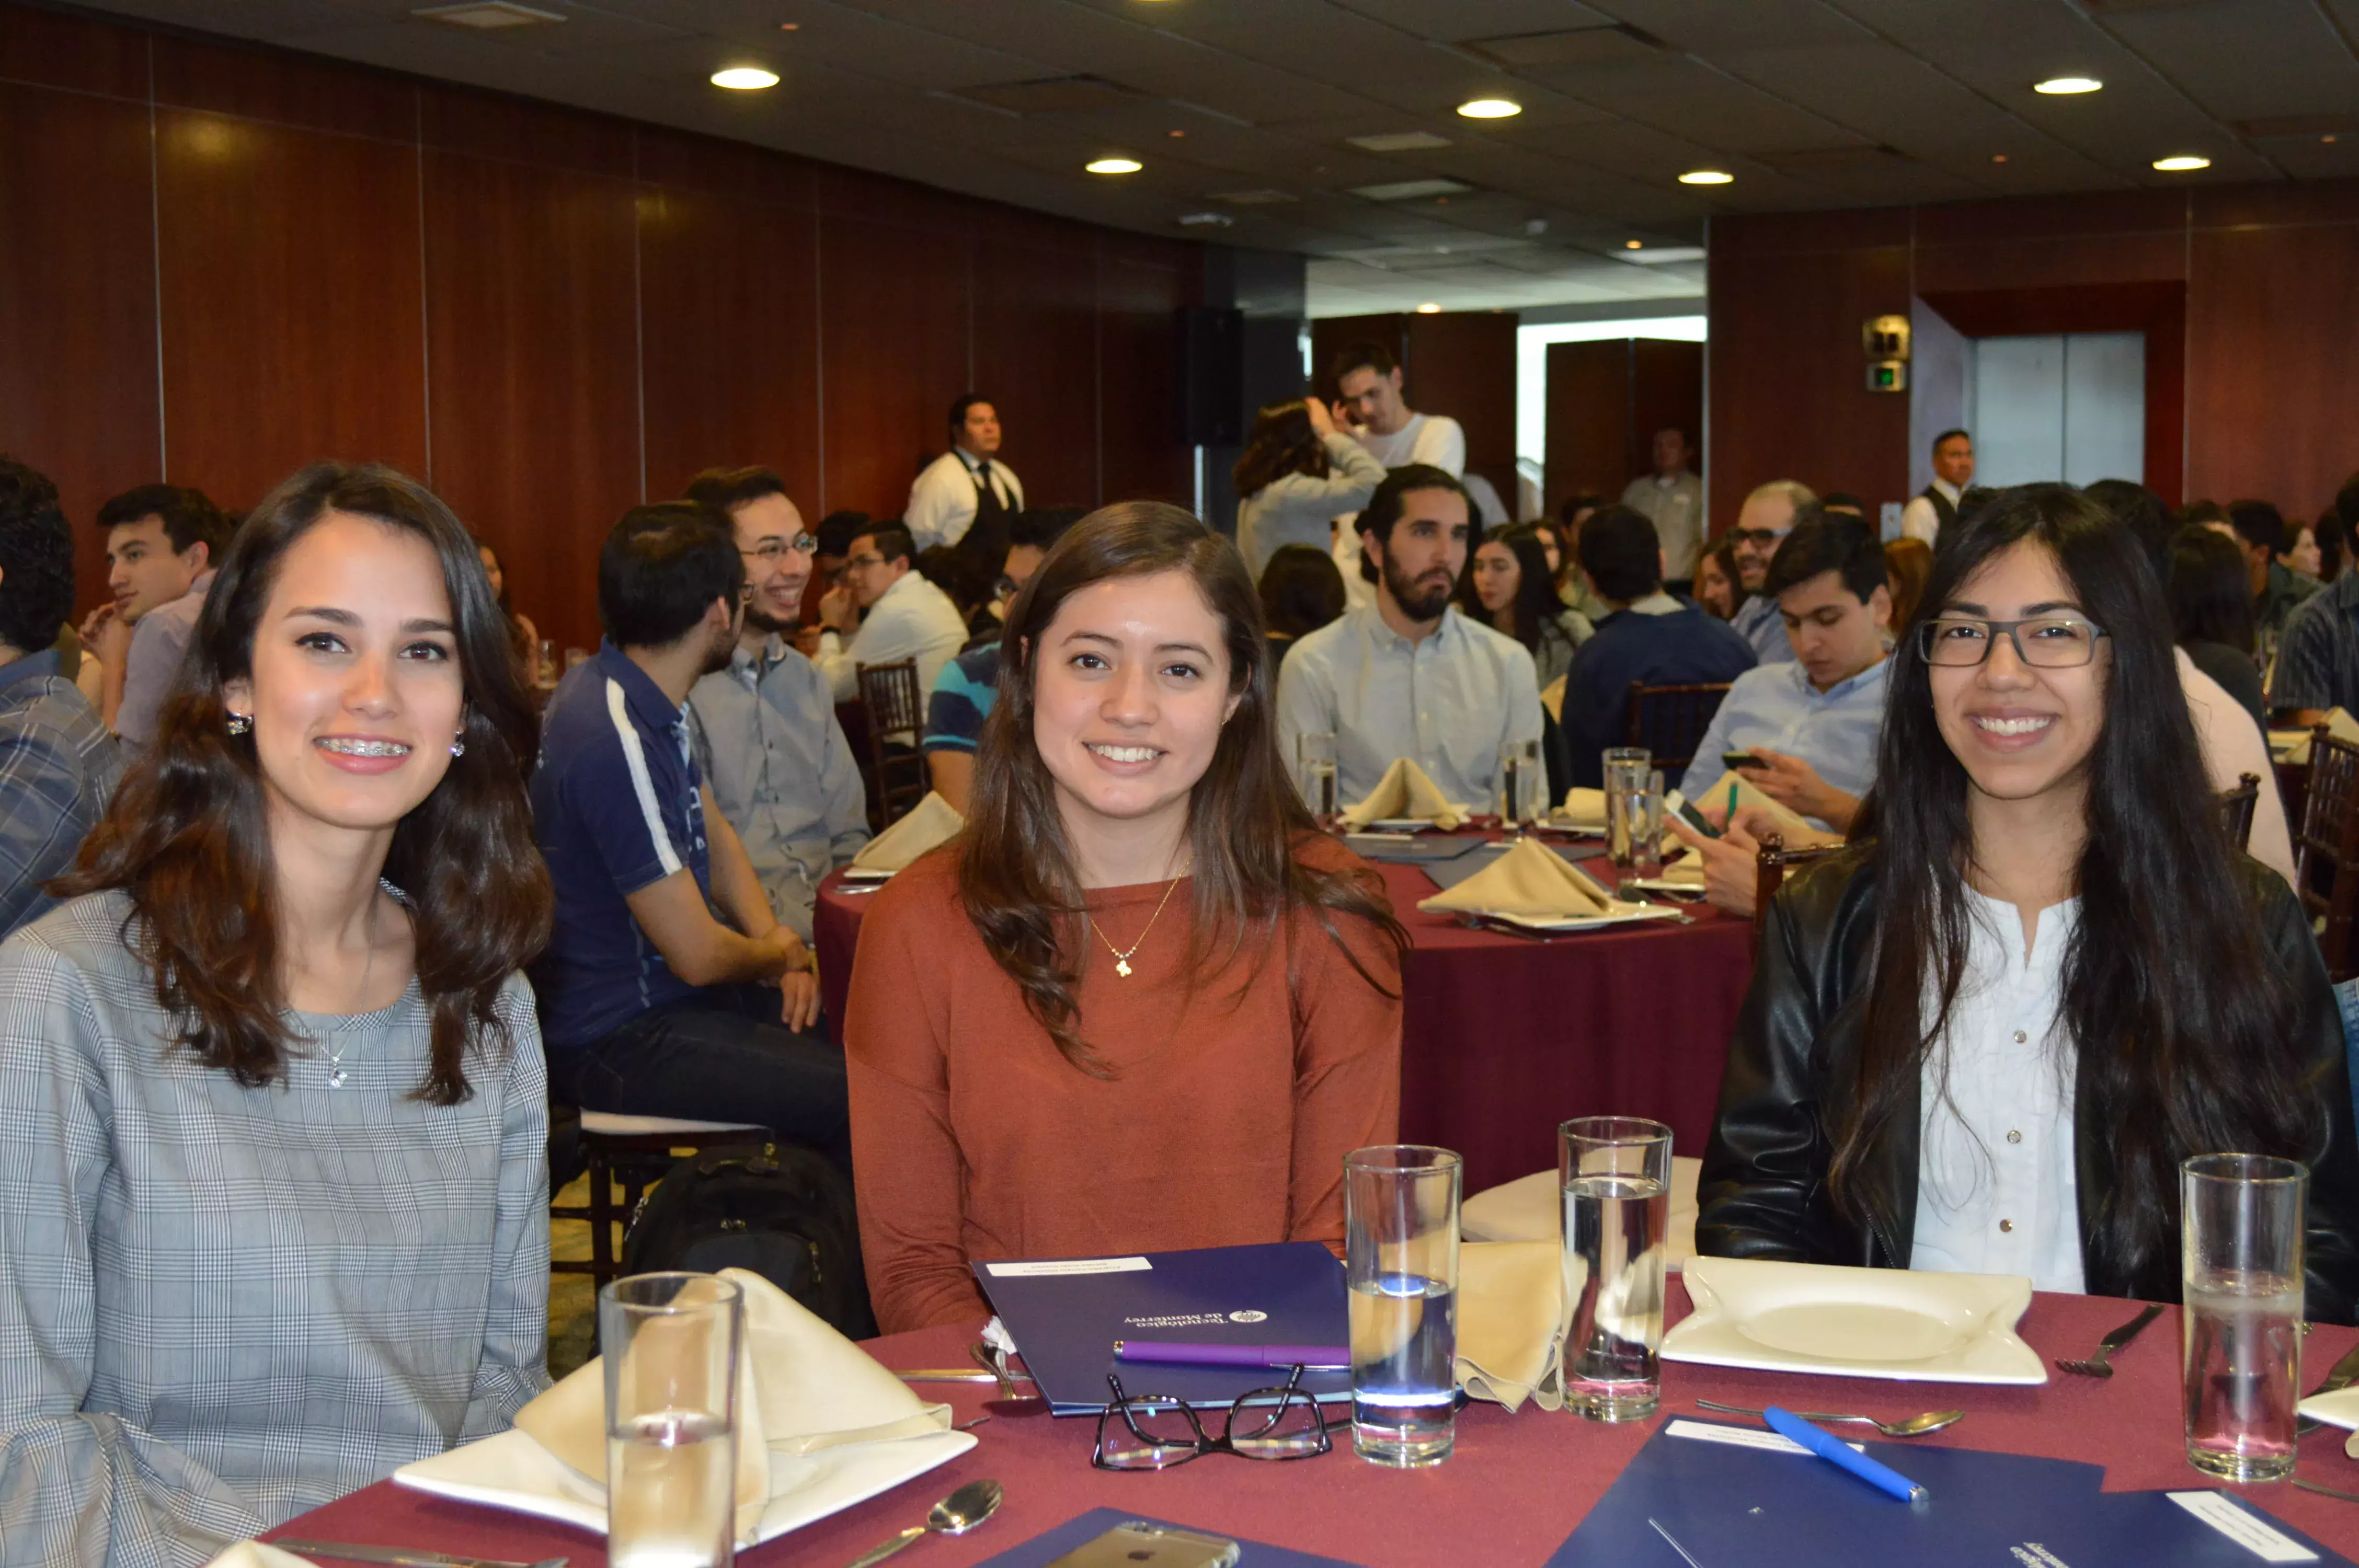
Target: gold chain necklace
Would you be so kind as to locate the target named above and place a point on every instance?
(1122, 954)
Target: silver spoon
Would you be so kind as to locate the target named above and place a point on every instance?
(954, 1515)
(1915, 1426)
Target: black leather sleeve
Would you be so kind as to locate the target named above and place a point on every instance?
(2332, 1245)
(1766, 1159)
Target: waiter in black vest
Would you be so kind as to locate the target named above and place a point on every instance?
(965, 497)
(1937, 507)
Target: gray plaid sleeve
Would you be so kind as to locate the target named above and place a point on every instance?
(515, 1365)
(75, 1488)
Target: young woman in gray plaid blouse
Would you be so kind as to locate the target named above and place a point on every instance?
(273, 1163)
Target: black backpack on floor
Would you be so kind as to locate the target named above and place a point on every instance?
(784, 1213)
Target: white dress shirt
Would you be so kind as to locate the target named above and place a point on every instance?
(943, 500)
(1918, 519)
(1449, 702)
(913, 619)
(1997, 1188)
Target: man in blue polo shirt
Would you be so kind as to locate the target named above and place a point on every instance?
(650, 1003)
(1646, 636)
(1813, 719)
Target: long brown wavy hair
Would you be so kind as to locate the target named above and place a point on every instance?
(1247, 823)
(1282, 441)
(186, 835)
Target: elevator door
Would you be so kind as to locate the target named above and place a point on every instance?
(2062, 405)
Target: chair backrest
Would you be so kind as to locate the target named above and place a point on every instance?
(2326, 851)
(2237, 808)
(896, 716)
(1670, 721)
(1769, 868)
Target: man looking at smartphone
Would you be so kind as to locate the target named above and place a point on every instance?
(1808, 726)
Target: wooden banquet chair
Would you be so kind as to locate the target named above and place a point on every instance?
(1769, 869)
(1670, 721)
(2326, 851)
(2237, 808)
(897, 716)
(634, 1151)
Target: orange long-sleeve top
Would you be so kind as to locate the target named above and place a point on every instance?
(1232, 1106)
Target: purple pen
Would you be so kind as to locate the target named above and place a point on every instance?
(1187, 1353)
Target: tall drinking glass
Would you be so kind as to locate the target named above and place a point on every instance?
(1400, 1243)
(1645, 807)
(1523, 787)
(1314, 761)
(1616, 1175)
(2241, 1218)
(1625, 768)
(670, 1344)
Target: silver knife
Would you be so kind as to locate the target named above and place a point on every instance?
(402, 1557)
(2345, 1373)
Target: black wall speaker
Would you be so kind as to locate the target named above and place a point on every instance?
(1211, 394)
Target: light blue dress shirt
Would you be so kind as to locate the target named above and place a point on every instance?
(1758, 622)
(1776, 705)
(1448, 702)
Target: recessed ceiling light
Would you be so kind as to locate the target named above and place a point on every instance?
(2181, 164)
(791, 26)
(487, 15)
(1998, 158)
(1174, 132)
(1428, 309)
(1114, 166)
(1490, 108)
(1706, 177)
(2065, 86)
(1634, 245)
(745, 78)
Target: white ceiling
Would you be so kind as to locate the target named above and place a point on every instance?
(1810, 103)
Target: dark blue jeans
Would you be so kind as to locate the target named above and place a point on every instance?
(719, 1055)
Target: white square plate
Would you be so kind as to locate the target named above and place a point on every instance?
(512, 1470)
(1914, 1325)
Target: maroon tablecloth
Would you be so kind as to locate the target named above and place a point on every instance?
(1504, 1037)
(1515, 1488)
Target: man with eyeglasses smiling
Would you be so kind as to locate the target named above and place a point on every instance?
(1762, 524)
(763, 728)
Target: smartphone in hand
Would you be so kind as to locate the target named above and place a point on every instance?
(1740, 760)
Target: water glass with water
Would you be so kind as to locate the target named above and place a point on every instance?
(1615, 1172)
(1626, 768)
(2241, 1218)
(1644, 809)
(1314, 761)
(1523, 785)
(1400, 1245)
(670, 1344)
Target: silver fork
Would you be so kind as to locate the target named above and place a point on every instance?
(2101, 1364)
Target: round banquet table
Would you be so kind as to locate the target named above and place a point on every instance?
(1515, 1488)
(1502, 1036)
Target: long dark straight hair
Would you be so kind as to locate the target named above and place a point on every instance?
(2182, 1024)
(1535, 604)
(1247, 823)
(186, 835)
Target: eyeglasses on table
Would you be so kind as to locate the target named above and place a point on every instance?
(1155, 1431)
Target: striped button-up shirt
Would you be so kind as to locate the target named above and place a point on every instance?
(221, 1306)
(57, 767)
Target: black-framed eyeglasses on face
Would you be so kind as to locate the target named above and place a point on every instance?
(1155, 1432)
(862, 563)
(776, 549)
(2043, 642)
(1757, 537)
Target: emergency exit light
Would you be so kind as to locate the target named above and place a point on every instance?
(1887, 376)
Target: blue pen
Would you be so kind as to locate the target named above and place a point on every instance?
(1834, 1449)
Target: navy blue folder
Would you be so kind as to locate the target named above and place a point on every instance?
(1065, 1316)
(1042, 1549)
(1730, 1506)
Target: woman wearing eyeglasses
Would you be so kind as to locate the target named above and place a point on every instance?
(1981, 1038)
(1140, 1004)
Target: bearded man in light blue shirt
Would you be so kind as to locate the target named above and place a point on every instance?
(1811, 722)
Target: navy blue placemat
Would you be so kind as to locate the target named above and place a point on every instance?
(1045, 1548)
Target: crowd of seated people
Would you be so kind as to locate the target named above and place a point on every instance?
(273, 884)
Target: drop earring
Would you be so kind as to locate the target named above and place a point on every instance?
(240, 724)
(459, 746)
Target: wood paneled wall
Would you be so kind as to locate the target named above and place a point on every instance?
(2260, 349)
(224, 261)
(1606, 398)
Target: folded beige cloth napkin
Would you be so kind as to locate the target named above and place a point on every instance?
(1584, 808)
(1529, 880)
(1511, 1322)
(2295, 743)
(930, 824)
(1749, 794)
(801, 1387)
(1406, 791)
(1552, 699)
